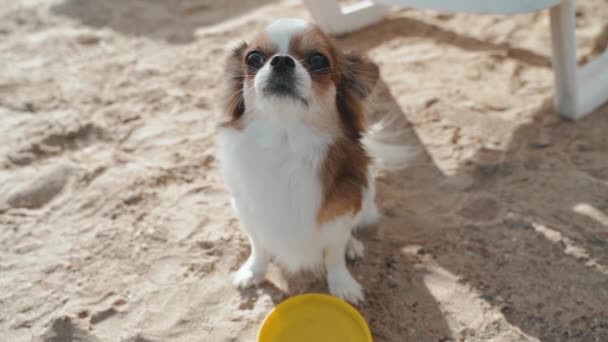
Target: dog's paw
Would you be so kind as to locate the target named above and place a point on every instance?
(354, 249)
(247, 276)
(347, 288)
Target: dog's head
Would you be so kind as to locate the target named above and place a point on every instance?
(292, 69)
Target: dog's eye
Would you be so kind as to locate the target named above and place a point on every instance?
(255, 59)
(317, 61)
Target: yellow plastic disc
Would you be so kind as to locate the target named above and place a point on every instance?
(314, 317)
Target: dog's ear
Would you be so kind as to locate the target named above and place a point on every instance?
(359, 74)
(358, 77)
(235, 104)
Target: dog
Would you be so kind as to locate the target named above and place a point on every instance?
(295, 153)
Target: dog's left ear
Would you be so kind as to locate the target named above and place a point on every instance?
(359, 75)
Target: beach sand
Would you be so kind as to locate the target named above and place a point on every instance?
(115, 224)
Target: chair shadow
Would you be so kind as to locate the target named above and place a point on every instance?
(411, 27)
(172, 21)
(542, 263)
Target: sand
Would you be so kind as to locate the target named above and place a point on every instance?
(115, 224)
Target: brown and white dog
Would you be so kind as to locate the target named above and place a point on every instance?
(295, 153)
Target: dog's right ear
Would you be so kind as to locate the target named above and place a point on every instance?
(360, 74)
(235, 73)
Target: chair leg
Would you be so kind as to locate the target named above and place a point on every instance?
(325, 12)
(564, 59)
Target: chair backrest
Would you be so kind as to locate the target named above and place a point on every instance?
(476, 6)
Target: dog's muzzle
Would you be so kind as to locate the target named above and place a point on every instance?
(282, 80)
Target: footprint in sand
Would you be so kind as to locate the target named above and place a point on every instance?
(102, 315)
(63, 329)
(593, 163)
(140, 337)
(55, 142)
(40, 190)
(166, 271)
(480, 208)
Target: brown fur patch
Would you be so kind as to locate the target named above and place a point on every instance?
(234, 107)
(344, 173)
(358, 76)
(262, 43)
(309, 41)
(313, 40)
(344, 177)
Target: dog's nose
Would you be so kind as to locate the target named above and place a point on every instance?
(283, 63)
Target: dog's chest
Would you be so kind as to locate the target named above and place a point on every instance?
(274, 173)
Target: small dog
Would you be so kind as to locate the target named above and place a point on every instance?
(294, 153)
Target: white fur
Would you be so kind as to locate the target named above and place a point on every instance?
(280, 32)
(272, 173)
(272, 170)
(392, 156)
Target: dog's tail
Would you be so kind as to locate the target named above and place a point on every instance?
(386, 154)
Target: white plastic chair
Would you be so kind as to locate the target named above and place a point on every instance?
(578, 90)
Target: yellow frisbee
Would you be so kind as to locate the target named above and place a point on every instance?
(314, 317)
